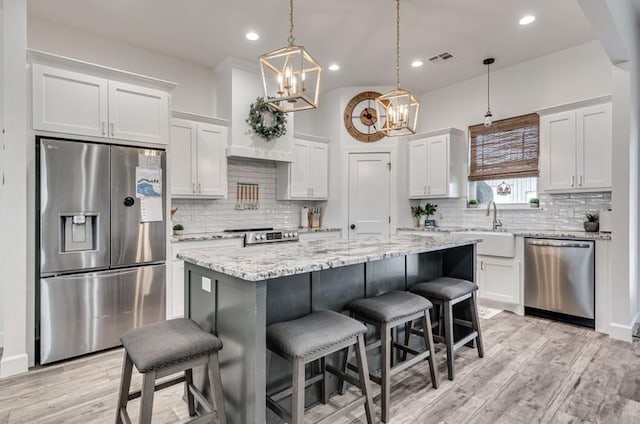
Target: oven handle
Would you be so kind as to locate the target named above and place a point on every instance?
(551, 243)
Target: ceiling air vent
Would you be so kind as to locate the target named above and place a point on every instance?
(442, 57)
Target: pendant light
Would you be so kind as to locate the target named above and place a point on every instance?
(290, 76)
(488, 117)
(400, 107)
(503, 189)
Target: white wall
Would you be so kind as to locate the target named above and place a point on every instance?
(2, 201)
(13, 213)
(195, 92)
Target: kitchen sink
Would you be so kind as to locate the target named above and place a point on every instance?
(493, 243)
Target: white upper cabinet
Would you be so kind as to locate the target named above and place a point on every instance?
(198, 159)
(69, 102)
(138, 113)
(307, 177)
(437, 164)
(575, 149)
(92, 104)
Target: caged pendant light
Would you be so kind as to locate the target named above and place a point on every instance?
(290, 76)
(399, 106)
(488, 117)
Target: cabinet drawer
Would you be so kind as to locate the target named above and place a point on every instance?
(205, 244)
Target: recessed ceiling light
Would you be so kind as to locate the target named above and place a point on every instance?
(334, 67)
(252, 36)
(526, 20)
(417, 63)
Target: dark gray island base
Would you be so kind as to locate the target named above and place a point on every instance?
(236, 293)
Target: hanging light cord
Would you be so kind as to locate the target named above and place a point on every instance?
(291, 37)
(397, 43)
(488, 86)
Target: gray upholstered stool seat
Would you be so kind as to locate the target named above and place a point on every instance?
(166, 343)
(163, 349)
(312, 338)
(312, 334)
(444, 288)
(445, 293)
(386, 312)
(389, 307)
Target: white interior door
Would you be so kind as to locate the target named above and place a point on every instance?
(369, 194)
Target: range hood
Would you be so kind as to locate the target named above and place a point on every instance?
(238, 85)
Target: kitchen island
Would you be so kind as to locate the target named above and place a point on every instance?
(236, 293)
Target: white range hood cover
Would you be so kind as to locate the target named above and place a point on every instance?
(238, 85)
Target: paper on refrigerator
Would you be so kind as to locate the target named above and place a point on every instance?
(149, 191)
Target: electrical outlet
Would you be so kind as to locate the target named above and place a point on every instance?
(206, 284)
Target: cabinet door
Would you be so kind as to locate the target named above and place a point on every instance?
(183, 157)
(69, 102)
(211, 160)
(499, 279)
(558, 142)
(299, 182)
(418, 168)
(319, 170)
(594, 135)
(175, 307)
(438, 166)
(138, 113)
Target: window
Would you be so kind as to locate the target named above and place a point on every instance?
(504, 160)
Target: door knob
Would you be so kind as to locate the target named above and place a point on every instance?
(353, 226)
(129, 201)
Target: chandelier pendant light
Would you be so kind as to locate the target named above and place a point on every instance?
(399, 106)
(290, 76)
(488, 117)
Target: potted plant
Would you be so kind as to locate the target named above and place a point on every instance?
(534, 203)
(418, 214)
(178, 229)
(592, 224)
(472, 203)
(429, 210)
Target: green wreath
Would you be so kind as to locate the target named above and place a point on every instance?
(266, 121)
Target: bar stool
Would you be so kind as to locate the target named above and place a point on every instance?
(445, 292)
(166, 348)
(308, 339)
(386, 312)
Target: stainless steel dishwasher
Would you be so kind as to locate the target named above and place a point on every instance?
(559, 279)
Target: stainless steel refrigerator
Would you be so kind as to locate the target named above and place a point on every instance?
(102, 269)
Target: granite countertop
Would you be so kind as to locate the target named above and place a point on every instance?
(559, 234)
(221, 235)
(263, 262)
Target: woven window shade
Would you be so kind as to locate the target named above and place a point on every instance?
(507, 149)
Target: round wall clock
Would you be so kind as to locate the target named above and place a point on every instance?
(361, 118)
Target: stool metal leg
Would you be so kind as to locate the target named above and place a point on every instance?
(125, 385)
(297, 401)
(146, 403)
(385, 333)
(448, 335)
(363, 372)
(476, 323)
(188, 382)
(215, 382)
(428, 341)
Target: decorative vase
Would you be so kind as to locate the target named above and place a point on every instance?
(421, 220)
(534, 205)
(472, 206)
(178, 232)
(591, 227)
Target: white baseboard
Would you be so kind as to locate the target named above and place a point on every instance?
(14, 365)
(1, 339)
(623, 332)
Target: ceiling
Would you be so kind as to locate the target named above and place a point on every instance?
(357, 34)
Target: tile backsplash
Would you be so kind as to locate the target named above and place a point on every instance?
(556, 212)
(200, 215)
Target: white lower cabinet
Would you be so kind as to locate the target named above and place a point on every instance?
(499, 279)
(175, 285)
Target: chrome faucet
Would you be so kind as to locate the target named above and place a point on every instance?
(496, 222)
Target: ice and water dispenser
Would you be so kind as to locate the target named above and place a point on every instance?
(79, 232)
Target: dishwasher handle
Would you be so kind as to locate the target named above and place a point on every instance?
(557, 243)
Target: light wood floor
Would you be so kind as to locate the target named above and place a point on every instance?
(533, 371)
